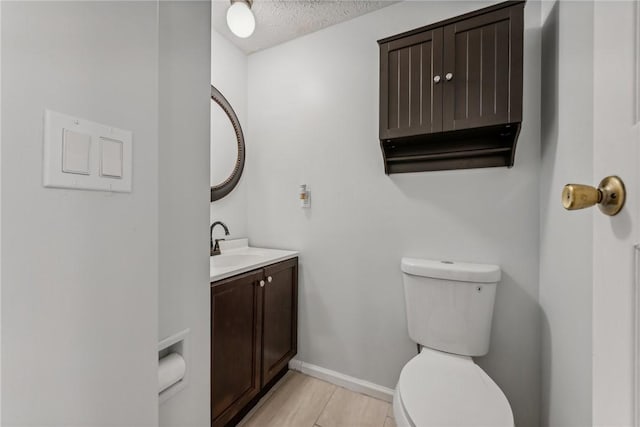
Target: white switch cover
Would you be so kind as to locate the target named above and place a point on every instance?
(110, 158)
(75, 152)
(81, 154)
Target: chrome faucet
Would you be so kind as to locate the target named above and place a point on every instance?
(215, 248)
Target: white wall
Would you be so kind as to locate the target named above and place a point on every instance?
(80, 268)
(184, 198)
(229, 76)
(566, 238)
(313, 118)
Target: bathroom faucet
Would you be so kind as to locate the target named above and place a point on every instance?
(215, 249)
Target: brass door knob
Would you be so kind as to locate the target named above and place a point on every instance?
(609, 196)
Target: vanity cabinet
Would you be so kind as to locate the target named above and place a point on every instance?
(236, 334)
(253, 336)
(451, 92)
(279, 318)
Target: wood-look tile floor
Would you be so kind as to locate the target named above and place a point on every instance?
(299, 400)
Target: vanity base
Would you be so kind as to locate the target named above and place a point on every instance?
(254, 331)
(244, 411)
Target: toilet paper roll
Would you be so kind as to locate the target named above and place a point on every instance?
(171, 369)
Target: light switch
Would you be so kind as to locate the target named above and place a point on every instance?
(76, 148)
(110, 158)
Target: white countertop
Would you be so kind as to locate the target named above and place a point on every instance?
(238, 257)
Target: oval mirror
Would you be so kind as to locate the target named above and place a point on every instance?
(227, 146)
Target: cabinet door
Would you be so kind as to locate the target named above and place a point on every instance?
(280, 318)
(483, 54)
(236, 313)
(410, 99)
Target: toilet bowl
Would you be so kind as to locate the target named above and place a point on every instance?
(449, 314)
(443, 389)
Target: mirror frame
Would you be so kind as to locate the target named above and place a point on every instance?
(221, 190)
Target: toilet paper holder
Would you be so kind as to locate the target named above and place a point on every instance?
(178, 344)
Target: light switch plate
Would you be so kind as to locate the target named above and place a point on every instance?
(66, 137)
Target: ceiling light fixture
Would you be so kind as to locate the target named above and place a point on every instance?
(240, 18)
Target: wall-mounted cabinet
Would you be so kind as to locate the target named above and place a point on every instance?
(253, 336)
(451, 92)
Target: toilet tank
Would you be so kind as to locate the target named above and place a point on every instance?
(450, 304)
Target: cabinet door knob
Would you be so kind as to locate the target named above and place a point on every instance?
(262, 283)
(436, 79)
(269, 279)
(448, 76)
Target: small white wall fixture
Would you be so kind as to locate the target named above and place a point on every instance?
(84, 155)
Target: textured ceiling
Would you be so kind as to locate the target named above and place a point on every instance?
(278, 21)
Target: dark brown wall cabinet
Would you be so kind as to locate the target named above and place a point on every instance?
(451, 92)
(254, 331)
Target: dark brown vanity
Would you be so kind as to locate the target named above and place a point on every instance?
(451, 92)
(254, 323)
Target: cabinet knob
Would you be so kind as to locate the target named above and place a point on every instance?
(262, 283)
(448, 76)
(269, 279)
(436, 79)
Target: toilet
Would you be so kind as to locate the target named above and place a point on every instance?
(449, 312)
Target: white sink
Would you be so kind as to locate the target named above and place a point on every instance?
(232, 260)
(238, 257)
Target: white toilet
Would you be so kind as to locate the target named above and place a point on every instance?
(449, 312)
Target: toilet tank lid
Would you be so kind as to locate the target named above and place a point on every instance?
(448, 270)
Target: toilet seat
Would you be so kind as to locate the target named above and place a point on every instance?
(443, 389)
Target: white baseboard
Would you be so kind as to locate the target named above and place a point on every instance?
(342, 380)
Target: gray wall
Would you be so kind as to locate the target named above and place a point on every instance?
(229, 76)
(80, 268)
(566, 239)
(313, 118)
(185, 60)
